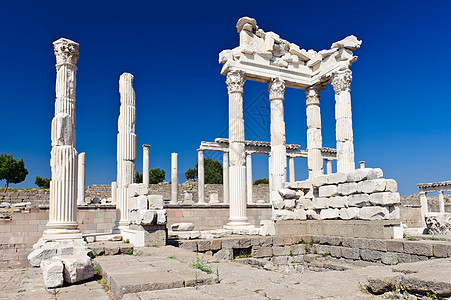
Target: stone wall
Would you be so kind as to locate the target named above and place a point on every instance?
(362, 194)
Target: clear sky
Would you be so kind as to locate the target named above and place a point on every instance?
(400, 91)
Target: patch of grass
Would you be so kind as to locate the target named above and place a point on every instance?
(297, 283)
(172, 257)
(433, 238)
(412, 239)
(291, 253)
(201, 264)
(433, 296)
(307, 249)
(96, 270)
(325, 254)
(130, 252)
(315, 252)
(127, 241)
(363, 287)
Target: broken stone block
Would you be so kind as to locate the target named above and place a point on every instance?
(373, 213)
(77, 267)
(319, 181)
(155, 201)
(336, 178)
(327, 190)
(358, 200)
(384, 198)
(391, 186)
(161, 217)
(299, 185)
(182, 226)
(38, 255)
(138, 202)
(287, 193)
(372, 186)
(347, 188)
(137, 189)
(52, 270)
(337, 202)
(319, 203)
(364, 174)
(306, 203)
(329, 213)
(289, 204)
(147, 217)
(313, 214)
(300, 214)
(349, 213)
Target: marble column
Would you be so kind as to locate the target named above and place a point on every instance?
(278, 167)
(269, 176)
(174, 178)
(81, 178)
(314, 137)
(146, 164)
(62, 222)
(362, 164)
(113, 192)
(341, 82)
(249, 181)
(126, 149)
(200, 177)
(291, 168)
(441, 202)
(225, 176)
(237, 170)
(424, 208)
(329, 166)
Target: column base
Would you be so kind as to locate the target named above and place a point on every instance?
(238, 222)
(118, 229)
(62, 231)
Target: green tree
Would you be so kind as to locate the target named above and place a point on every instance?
(156, 175)
(212, 171)
(261, 181)
(43, 183)
(139, 177)
(12, 170)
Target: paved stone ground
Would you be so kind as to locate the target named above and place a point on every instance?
(237, 281)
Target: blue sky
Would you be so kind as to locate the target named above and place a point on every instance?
(400, 91)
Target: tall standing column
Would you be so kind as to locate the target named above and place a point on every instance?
(341, 82)
(424, 208)
(291, 168)
(237, 171)
(113, 192)
(174, 178)
(225, 176)
(62, 222)
(314, 137)
(329, 166)
(81, 178)
(441, 202)
(200, 177)
(278, 167)
(249, 178)
(146, 164)
(126, 148)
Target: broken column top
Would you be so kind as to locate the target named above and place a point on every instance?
(265, 55)
(66, 51)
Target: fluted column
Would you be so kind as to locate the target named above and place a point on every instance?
(225, 176)
(81, 178)
(146, 164)
(63, 162)
(441, 202)
(291, 168)
(278, 167)
(249, 178)
(174, 178)
(200, 177)
(237, 171)
(329, 166)
(126, 148)
(341, 82)
(424, 208)
(113, 192)
(314, 137)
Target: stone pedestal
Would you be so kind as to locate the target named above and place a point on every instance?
(81, 178)
(146, 164)
(146, 235)
(237, 171)
(174, 178)
(278, 167)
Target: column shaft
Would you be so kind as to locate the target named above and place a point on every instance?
(225, 176)
(249, 178)
(237, 170)
(314, 137)
(81, 178)
(113, 192)
(174, 178)
(329, 166)
(278, 167)
(441, 202)
(291, 168)
(341, 82)
(424, 208)
(200, 177)
(146, 164)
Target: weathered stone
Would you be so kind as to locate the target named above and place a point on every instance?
(358, 200)
(203, 245)
(355, 243)
(403, 258)
(306, 203)
(224, 254)
(379, 285)
(245, 242)
(377, 244)
(370, 255)
(335, 251)
(266, 241)
(384, 198)
(189, 245)
(304, 185)
(418, 248)
(277, 241)
(297, 249)
(347, 188)
(280, 250)
(300, 214)
(261, 252)
(349, 213)
(329, 213)
(327, 190)
(216, 244)
(137, 189)
(148, 217)
(391, 186)
(182, 226)
(38, 255)
(350, 253)
(372, 186)
(417, 258)
(313, 214)
(395, 246)
(319, 181)
(394, 212)
(287, 193)
(373, 213)
(440, 250)
(319, 203)
(336, 178)
(155, 201)
(77, 268)
(53, 273)
(289, 204)
(230, 243)
(337, 202)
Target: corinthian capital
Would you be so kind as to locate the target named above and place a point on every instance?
(66, 51)
(235, 81)
(276, 88)
(313, 94)
(341, 81)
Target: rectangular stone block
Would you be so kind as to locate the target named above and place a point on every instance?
(255, 241)
(358, 200)
(297, 249)
(231, 243)
(319, 203)
(337, 202)
(329, 213)
(337, 178)
(372, 186)
(384, 198)
(189, 245)
(389, 258)
(349, 213)
(440, 250)
(245, 242)
(280, 250)
(391, 186)
(335, 251)
(327, 191)
(350, 253)
(306, 203)
(395, 246)
(347, 188)
(370, 255)
(355, 243)
(203, 245)
(374, 244)
(258, 252)
(418, 248)
(403, 258)
(266, 241)
(277, 241)
(216, 244)
(373, 213)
